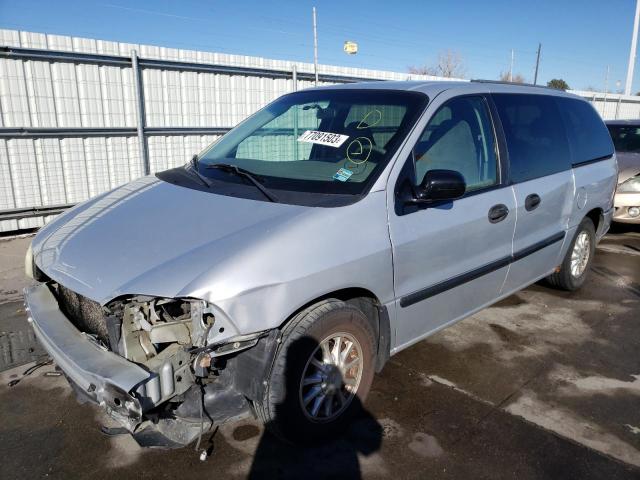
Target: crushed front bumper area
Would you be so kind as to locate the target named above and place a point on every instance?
(124, 389)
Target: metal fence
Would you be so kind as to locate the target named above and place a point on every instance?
(81, 116)
(612, 106)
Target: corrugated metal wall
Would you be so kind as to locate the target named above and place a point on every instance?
(42, 168)
(612, 106)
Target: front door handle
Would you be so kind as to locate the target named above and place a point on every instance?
(531, 202)
(497, 213)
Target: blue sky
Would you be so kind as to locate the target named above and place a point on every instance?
(579, 38)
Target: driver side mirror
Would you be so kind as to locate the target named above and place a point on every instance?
(439, 185)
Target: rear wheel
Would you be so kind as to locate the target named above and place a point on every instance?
(322, 373)
(576, 263)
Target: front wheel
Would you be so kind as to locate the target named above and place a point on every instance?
(576, 263)
(322, 373)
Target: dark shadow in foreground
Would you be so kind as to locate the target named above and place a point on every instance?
(617, 228)
(336, 457)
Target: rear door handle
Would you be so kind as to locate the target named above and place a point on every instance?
(531, 202)
(497, 213)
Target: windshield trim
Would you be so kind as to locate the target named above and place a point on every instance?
(179, 176)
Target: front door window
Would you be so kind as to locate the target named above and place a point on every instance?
(460, 137)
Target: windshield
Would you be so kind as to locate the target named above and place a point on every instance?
(625, 138)
(322, 141)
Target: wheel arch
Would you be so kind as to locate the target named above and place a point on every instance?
(597, 216)
(373, 309)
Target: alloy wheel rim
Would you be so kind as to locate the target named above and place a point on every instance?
(580, 254)
(331, 377)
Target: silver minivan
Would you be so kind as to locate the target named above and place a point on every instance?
(279, 269)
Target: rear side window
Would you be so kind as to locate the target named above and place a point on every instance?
(588, 137)
(535, 134)
(626, 138)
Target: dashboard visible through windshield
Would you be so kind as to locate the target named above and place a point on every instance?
(327, 142)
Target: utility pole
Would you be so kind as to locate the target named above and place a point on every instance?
(535, 75)
(315, 44)
(139, 89)
(632, 51)
(511, 67)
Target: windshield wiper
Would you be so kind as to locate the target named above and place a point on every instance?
(194, 166)
(241, 172)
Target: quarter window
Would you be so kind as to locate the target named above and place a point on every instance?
(588, 136)
(535, 134)
(460, 137)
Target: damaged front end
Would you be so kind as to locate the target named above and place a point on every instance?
(166, 369)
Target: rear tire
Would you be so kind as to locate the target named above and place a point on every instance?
(304, 370)
(577, 260)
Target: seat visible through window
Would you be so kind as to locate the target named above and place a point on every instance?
(459, 137)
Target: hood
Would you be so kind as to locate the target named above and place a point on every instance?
(628, 165)
(150, 237)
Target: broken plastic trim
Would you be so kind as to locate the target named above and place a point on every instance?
(230, 345)
(121, 406)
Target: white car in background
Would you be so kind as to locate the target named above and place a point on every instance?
(626, 139)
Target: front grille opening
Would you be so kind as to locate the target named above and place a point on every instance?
(88, 316)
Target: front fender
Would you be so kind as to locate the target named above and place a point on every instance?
(259, 287)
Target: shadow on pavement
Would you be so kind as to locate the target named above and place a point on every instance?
(358, 436)
(622, 228)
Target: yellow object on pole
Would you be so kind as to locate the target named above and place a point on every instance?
(350, 48)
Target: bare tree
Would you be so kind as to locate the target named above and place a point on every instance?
(515, 78)
(450, 65)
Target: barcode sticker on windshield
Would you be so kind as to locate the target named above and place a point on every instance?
(323, 138)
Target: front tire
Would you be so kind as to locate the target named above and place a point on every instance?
(577, 260)
(322, 373)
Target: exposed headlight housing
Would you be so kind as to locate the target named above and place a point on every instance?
(146, 326)
(31, 270)
(28, 264)
(631, 185)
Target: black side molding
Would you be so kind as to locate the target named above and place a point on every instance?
(458, 280)
(453, 282)
(593, 160)
(520, 254)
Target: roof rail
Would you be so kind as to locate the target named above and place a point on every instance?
(501, 82)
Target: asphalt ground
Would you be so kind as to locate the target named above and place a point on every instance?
(545, 384)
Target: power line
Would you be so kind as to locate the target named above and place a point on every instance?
(334, 33)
